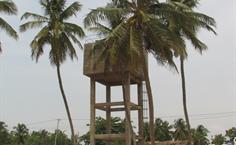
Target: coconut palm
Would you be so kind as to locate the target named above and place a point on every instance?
(4, 134)
(140, 30)
(20, 133)
(163, 130)
(7, 7)
(187, 25)
(231, 133)
(181, 130)
(200, 135)
(59, 34)
(219, 139)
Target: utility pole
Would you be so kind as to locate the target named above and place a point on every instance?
(58, 121)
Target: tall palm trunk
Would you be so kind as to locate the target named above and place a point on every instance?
(66, 104)
(150, 97)
(185, 99)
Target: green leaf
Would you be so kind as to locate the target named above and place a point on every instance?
(32, 24)
(8, 7)
(34, 16)
(8, 29)
(101, 14)
(71, 10)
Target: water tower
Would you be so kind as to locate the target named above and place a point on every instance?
(112, 76)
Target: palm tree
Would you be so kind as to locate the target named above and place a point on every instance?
(4, 134)
(57, 33)
(231, 133)
(200, 135)
(219, 139)
(8, 7)
(139, 31)
(163, 130)
(181, 130)
(21, 132)
(187, 25)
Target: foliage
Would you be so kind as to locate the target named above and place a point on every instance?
(20, 134)
(163, 130)
(200, 135)
(231, 133)
(218, 139)
(59, 34)
(181, 131)
(4, 134)
(186, 25)
(146, 131)
(56, 31)
(43, 137)
(118, 126)
(7, 7)
(135, 23)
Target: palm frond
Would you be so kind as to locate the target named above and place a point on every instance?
(163, 44)
(118, 32)
(120, 3)
(205, 21)
(8, 7)
(166, 37)
(32, 24)
(68, 46)
(39, 41)
(136, 42)
(180, 5)
(189, 3)
(100, 29)
(101, 14)
(74, 29)
(8, 29)
(200, 46)
(71, 10)
(75, 40)
(34, 16)
(163, 10)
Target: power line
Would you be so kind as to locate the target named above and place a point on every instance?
(213, 117)
(41, 122)
(194, 117)
(199, 115)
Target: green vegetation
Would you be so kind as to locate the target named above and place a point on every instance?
(7, 7)
(20, 135)
(57, 33)
(187, 25)
(219, 139)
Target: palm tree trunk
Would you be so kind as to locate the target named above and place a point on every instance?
(150, 97)
(66, 104)
(185, 99)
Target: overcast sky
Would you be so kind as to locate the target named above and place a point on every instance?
(29, 92)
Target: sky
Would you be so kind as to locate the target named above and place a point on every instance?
(29, 91)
